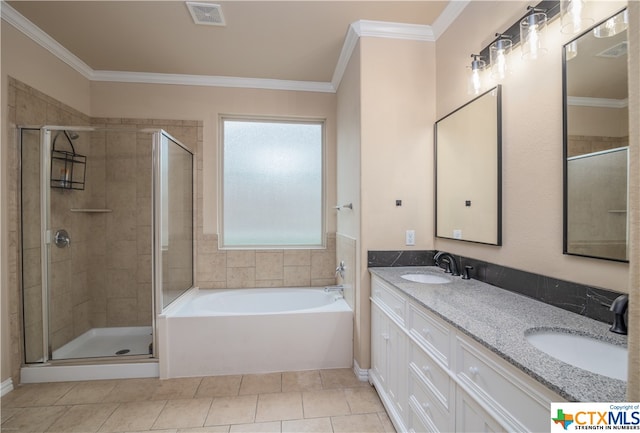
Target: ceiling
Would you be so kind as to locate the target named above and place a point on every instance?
(282, 40)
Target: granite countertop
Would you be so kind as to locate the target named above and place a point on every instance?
(499, 319)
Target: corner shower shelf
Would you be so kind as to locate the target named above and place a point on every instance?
(89, 210)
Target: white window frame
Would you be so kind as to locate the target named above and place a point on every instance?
(220, 178)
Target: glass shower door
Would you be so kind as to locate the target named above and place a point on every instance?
(174, 209)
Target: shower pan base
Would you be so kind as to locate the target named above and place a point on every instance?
(107, 346)
(103, 342)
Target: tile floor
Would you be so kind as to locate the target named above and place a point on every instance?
(309, 401)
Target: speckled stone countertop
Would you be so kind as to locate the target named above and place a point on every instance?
(499, 320)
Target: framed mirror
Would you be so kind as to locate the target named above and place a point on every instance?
(468, 165)
(596, 139)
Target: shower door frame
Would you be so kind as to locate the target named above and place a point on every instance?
(46, 238)
(157, 219)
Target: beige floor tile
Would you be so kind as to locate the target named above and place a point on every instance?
(172, 389)
(7, 412)
(363, 400)
(219, 386)
(261, 383)
(133, 416)
(132, 390)
(83, 418)
(279, 406)
(328, 402)
(311, 425)
(340, 378)
(301, 381)
(183, 413)
(387, 425)
(211, 429)
(88, 392)
(261, 427)
(368, 422)
(34, 419)
(37, 394)
(169, 430)
(232, 410)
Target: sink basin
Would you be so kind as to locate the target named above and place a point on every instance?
(426, 278)
(584, 352)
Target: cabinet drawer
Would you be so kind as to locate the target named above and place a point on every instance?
(387, 298)
(431, 335)
(422, 402)
(431, 374)
(492, 384)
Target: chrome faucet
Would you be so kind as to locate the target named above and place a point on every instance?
(619, 307)
(339, 288)
(451, 266)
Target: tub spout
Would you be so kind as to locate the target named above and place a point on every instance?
(339, 288)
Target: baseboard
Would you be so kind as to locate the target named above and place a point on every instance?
(6, 387)
(361, 373)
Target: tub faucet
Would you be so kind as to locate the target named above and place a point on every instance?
(619, 307)
(339, 288)
(449, 261)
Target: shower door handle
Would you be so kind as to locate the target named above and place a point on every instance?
(61, 239)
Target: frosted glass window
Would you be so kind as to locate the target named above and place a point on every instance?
(272, 183)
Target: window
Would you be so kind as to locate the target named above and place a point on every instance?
(272, 183)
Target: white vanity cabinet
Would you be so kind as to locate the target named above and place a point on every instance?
(432, 377)
(388, 352)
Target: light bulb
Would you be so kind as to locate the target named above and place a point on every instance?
(498, 58)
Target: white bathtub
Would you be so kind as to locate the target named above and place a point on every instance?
(241, 331)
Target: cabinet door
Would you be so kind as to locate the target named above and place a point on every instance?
(470, 417)
(379, 340)
(398, 369)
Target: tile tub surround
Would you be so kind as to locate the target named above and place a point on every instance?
(498, 319)
(318, 401)
(592, 302)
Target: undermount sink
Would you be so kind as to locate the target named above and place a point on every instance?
(584, 352)
(426, 278)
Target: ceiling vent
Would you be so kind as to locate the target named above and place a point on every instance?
(615, 51)
(206, 13)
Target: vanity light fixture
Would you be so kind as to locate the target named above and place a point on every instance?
(532, 28)
(498, 52)
(573, 16)
(475, 79)
(612, 26)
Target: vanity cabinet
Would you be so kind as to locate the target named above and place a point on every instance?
(433, 377)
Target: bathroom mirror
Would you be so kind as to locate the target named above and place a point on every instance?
(468, 171)
(596, 139)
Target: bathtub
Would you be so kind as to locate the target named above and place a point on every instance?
(242, 331)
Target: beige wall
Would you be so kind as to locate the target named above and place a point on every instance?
(532, 149)
(397, 114)
(598, 121)
(633, 385)
(348, 112)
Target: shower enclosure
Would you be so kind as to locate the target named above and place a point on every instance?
(107, 239)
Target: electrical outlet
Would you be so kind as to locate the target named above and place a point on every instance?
(410, 237)
(457, 234)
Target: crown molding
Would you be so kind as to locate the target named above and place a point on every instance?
(581, 101)
(358, 29)
(448, 16)
(389, 30)
(212, 81)
(17, 20)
